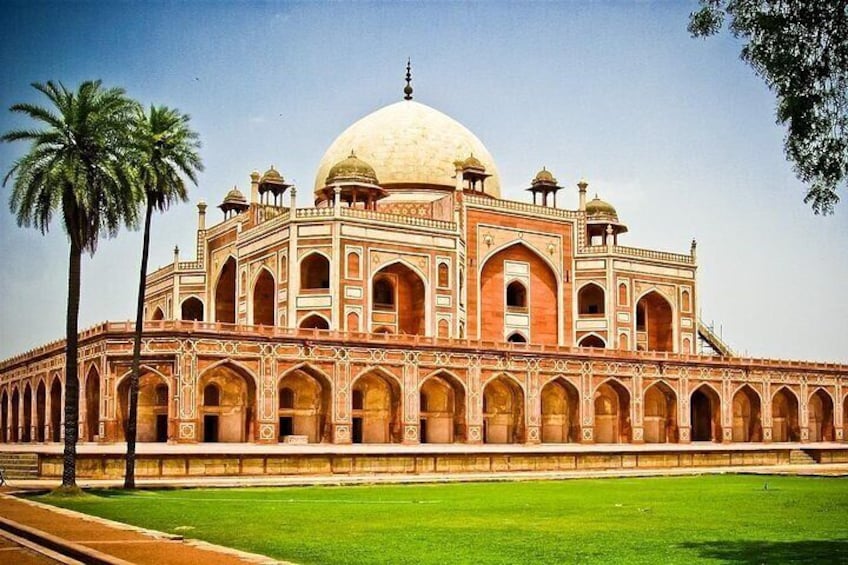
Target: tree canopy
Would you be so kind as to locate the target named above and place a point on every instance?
(800, 49)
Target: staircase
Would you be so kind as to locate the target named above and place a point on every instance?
(712, 339)
(19, 465)
(800, 457)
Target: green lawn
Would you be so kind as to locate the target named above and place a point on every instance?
(719, 519)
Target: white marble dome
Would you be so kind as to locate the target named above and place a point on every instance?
(409, 143)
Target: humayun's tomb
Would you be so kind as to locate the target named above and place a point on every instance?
(413, 305)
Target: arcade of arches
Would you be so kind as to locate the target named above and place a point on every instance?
(308, 408)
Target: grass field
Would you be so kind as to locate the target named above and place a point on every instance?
(719, 519)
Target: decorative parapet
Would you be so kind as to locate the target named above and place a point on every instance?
(649, 254)
(398, 219)
(167, 328)
(522, 207)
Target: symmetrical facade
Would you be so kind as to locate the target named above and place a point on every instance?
(412, 304)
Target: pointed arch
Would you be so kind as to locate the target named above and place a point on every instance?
(592, 339)
(441, 397)
(591, 299)
(191, 309)
(264, 298)
(304, 400)
(233, 418)
(399, 298)
(785, 415)
(659, 406)
(314, 321)
(4, 415)
(746, 411)
(40, 411)
(705, 413)
(544, 295)
(92, 403)
(315, 272)
(503, 410)
(26, 426)
(376, 409)
(820, 415)
(516, 337)
(560, 405)
(225, 292)
(158, 314)
(15, 398)
(56, 408)
(612, 412)
(655, 321)
(152, 413)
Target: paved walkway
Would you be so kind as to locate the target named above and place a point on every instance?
(89, 539)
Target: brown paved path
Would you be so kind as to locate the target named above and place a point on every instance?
(12, 552)
(121, 542)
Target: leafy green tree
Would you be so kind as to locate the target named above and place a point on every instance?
(75, 167)
(165, 151)
(800, 48)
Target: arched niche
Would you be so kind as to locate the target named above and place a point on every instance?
(399, 299)
(227, 415)
(560, 412)
(303, 405)
(192, 309)
(747, 423)
(503, 411)
(225, 293)
(376, 409)
(820, 416)
(264, 299)
(660, 414)
(612, 413)
(655, 322)
(591, 300)
(784, 416)
(152, 407)
(441, 409)
(315, 273)
(705, 414)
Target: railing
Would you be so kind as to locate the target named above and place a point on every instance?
(522, 207)
(398, 219)
(376, 339)
(307, 213)
(649, 254)
(713, 339)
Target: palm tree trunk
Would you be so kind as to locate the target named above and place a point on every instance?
(132, 420)
(69, 471)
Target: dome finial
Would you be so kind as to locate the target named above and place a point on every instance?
(407, 90)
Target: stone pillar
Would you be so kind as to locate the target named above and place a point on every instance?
(266, 419)
(533, 406)
(474, 405)
(587, 403)
(582, 186)
(254, 187)
(803, 412)
(341, 408)
(411, 400)
(186, 418)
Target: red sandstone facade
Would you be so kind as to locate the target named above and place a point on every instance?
(408, 306)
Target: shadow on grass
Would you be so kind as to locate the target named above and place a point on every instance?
(808, 551)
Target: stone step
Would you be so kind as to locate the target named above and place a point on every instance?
(19, 465)
(800, 457)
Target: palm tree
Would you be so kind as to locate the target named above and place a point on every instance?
(165, 150)
(75, 167)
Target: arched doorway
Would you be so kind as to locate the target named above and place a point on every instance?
(503, 411)
(26, 432)
(315, 273)
(228, 405)
(441, 410)
(784, 416)
(654, 323)
(560, 412)
(820, 416)
(4, 417)
(747, 425)
(92, 405)
(40, 409)
(660, 420)
(612, 413)
(152, 413)
(591, 300)
(541, 295)
(516, 337)
(56, 410)
(303, 405)
(375, 414)
(398, 300)
(14, 435)
(314, 322)
(705, 412)
(225, 293)
(158, 314)
(264, 299)
(192, 309)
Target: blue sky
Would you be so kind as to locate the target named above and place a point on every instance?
(677, 133)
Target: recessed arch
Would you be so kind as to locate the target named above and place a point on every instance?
(92, 404)
(516, 295)
(612, 412)
(784, 415)
(399, 298)
(543, 294)
(56, 409)
(26, 431)
(15, 399)
(503, 410)
(660, 413)
(314, 321)
(233, 418)
(191, 309)
(376, 407)
(516, 337)
(151, 412)
(820, 416)
(158, 314)
(591, 300)
(264, 298)
(592, 340)
(4, 415)
(315, 272)
(40, 410)
(441, 398)
(747, 422)
(655, 321)
(705, 413)
(304, 396)
(225, 292)
(560, 405)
